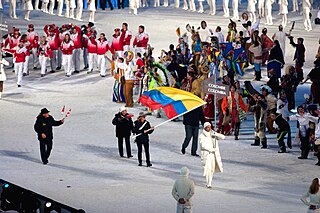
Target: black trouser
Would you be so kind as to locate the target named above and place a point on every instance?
(128, 146)
(305, 144)
(45, 149)
(317, 150)
(146, 149)
(103, 4)
(280, 137)
(291, 99)
(191, 132)
(120, 4)
(237, 128)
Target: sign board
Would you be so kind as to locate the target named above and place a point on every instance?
(218, 89)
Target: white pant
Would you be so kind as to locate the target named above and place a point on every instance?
(12, 9)
(67, 63)
(43, 64)
(192, 5)
(140, 50)
(52, 3)
(183, 208)
(212, 5)
(226, 7)
(269, 15)
(261, 4)
(235, 10)
(102, 63)
(156, 3)
(92, 60)
(67, 14)
(26, 65)
(76, 59)
(185, 5)
(79, 9)
(60, 7)
(306, 18)
(295, 7)
(165, 3)
(18, 68)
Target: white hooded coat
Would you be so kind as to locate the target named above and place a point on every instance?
(210, 152)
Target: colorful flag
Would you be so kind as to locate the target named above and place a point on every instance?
(174, 102)
(63, 108)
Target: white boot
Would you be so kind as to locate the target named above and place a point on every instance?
(0, 95)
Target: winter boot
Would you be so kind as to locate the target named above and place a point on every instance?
(256, 141)
(303, 154)
(264, 143)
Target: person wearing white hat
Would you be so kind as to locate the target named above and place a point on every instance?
(210, 153)
(124, 125)
(182, 191)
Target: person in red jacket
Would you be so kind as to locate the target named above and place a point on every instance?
(76, 37)
(102, 49)
(67, 48)
(92, 51)
(44, 53)
(28, 46)
(33, 39)
(63, 32)
(12, 40)
(127, 37)
(19, 53)
(52, 33)
(117, 42)
(141, 40)
(266, 44)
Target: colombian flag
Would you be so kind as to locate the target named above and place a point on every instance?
(174, 102)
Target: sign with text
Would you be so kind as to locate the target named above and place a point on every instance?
(219, 89)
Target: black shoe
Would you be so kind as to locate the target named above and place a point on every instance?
(318, 164)
(24, 74)
(264, 147)
(13, 71)
(90, 71)
(45, 162)
(122, 156)
(140, 164)
(183, 151)
(86, 67)
(111, 8)
(302, 157)
(236, 138)
(289, 145)
(76, 71)
(35, 68)
(58, 68)
(130, 156)
(68, 75)
(19, 85)
(52, 71)
(42, 75)
(102, 76)
(149, 165)
(196, 155)
(255, 144)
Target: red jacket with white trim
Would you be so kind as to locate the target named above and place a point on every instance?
(33, 38)
(19, 53)
(103, 47)
(127, 38)
(92, 45)
(52, 40)
(67, 48)
(141, 40)
(117, 42)
(44, 50)
(77, 38)
(12, 40)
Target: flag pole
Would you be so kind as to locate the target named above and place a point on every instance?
(160, 124)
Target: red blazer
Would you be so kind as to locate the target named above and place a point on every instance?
(67, 48)
(33, 39)
(92, 45)
(45, 50)
(141, 40)
(18, 53)
(127, 38)
(117, 42)
(77, 38)
(103, 47)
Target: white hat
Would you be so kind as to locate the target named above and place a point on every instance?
(184, 171)
(206, 124)
(123, 108)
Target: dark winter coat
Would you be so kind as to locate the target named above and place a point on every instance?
(144, 137)
(193, 117)
(299, 55)
(124, 125)
(282, 124)
(44, 125)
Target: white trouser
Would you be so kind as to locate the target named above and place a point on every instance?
(67, 63)
(145, 3)
(52, 3)
(26, 65)
(60, 7)
(76, 59)
(226, 8)
(181, 208)
(210, 163)
(34, 53)
(18, 67)
(165, 3)
(67, 14)
(92, 60)
(59, 57)
(140, 50)
(176, 3)
(185, 5)
(133, 5)
(284, 20)
(235, 10)
(79, 9)
(12, 9)
(44, 7)
(295, 7)
(306, 17)
(119, 54)
(212, 5)
(85, 56)
(1, 8)
(156, 3)
(269, 15)
(126, 48)
(102, 63)
(192, 5)
(43, 64)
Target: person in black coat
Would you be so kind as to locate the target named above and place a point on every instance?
(191, 123)
(299, 56)
(282, 130)
(124, 126)
(142, 128)
(43, 127)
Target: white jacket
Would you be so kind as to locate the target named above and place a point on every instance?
(210, 147)
(183, 188)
